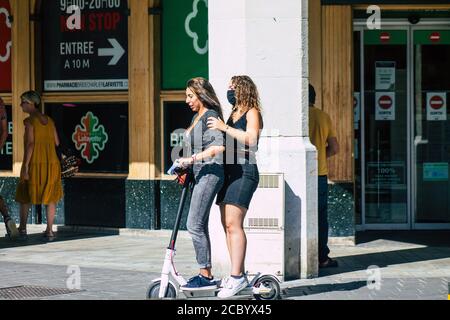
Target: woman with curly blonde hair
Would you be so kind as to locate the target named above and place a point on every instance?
(241, 174)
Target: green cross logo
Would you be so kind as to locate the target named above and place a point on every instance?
(90, 137)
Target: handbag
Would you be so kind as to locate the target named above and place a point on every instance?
(69, 165)
(69, 162)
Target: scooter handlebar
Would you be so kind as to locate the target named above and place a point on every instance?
(176, 167)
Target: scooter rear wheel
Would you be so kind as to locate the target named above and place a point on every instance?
(269, 282)
(153, 290)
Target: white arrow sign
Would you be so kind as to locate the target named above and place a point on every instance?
(116, 52)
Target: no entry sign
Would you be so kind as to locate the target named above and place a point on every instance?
(5, 46)
(436, 106)
(435, 37)
(85, 45)
(385, 102)
(385, 106)
(385, 37)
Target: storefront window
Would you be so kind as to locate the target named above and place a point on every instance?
(5, 46)
(177, 117)
(385, 116)
(85, 48)
(97, 132)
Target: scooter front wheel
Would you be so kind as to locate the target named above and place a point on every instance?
(153, 290)
(267, 288)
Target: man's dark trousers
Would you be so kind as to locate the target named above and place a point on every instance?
(323, 218)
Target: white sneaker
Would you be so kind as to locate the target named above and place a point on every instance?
(232, 286)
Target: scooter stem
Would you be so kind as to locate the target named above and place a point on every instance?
(173, 238)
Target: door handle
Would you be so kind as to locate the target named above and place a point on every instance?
(418, 140)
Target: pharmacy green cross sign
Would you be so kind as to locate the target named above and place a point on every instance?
(184, 42)
(90, 137)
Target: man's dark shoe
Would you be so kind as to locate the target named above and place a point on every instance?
(329, 263)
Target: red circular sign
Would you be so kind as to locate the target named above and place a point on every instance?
(385, 102)
(385, 37)
(435, 37)
(436, 102)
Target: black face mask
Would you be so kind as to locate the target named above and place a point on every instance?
(231, 97)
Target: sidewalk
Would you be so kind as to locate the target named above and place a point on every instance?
(121, 266)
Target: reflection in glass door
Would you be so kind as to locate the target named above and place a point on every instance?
(386, 127)
(431, 151)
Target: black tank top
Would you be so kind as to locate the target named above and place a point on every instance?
(240, 151)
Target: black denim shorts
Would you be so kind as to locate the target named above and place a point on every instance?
(241, 181)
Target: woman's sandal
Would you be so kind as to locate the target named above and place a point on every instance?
(22, 234)
(49, 237)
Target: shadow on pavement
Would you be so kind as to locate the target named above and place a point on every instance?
(320, 288)
(385, 257)
(39, 239)
(430, 238)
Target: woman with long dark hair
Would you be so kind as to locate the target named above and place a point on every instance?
(205, 147)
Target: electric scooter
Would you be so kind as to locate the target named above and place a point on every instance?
(262, 287)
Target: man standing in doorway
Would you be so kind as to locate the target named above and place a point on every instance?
(9, 222)
(324, 138)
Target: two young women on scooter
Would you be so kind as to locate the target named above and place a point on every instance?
(235, 181)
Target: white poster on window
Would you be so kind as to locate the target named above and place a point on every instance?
(436, 106)
(356, 109)
(385, 106)
(385, 75)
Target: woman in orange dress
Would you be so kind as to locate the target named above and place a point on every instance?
(40, 176)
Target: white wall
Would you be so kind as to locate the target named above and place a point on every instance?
(267, 40)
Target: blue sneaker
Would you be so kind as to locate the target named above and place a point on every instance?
(199, 282)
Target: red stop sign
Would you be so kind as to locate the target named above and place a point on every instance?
(435, 37)
(436, 102)
(385, 102)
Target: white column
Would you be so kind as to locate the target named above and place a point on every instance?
(268, 40)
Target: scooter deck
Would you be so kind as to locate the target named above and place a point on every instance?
(247, 292)
(210, 293)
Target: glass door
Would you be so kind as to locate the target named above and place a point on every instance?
(431, 132)
(402, 126)
(385, 129)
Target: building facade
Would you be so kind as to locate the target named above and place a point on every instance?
(113, 79)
